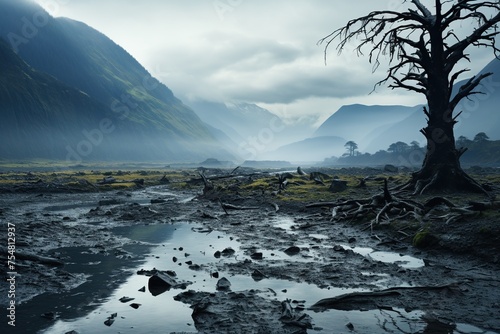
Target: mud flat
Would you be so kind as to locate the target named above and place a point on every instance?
(164, 258)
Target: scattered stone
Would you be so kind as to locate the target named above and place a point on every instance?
(350, 326)
(257, 256)
(338, 248)
(292, 250)
(126, 299)
(158, 201)
(257, 275)
(228, 252)
(135, 305)
(109, 322)
(351, 240)
(111, 319)
(223, 284)
(159, 283)
(390, 168)
(143, 289)
(338, 186)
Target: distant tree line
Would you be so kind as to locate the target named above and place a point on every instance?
(480, 151)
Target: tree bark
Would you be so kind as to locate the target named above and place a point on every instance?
(441, 169)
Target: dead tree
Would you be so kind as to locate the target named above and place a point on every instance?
(424, 49)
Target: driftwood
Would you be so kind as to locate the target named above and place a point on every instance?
(208, 185)
(360, 296)
(227, 206)
(32, 257)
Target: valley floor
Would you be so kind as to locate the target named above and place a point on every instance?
(247, 258)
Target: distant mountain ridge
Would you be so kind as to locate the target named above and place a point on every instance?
(361, 123)
(375, 127)
(149, 120)
(253, 130)
(479, 113)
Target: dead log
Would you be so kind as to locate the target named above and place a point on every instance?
(107, 180)
(361, 296)
(235, 207)
(349, 297)
(33, 257)
(276, 207)
(209, 187)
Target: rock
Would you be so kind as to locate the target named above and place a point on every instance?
(109, 322)
(126, 299)
(338, 248)
(390, 168)
(257, 275)
(110, 319)
(293, 250)
(257, 256)
(338, 186)
(228, 252)
(157, 201)
(135, 305)
(350, 326)
(159, 283)
(223, 284)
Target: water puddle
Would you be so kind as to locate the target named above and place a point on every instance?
(405, 261)
(283, 222)
(189, 250)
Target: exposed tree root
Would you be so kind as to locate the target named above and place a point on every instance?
(442, 179)
(386, 207)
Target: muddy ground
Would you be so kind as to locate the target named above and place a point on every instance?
(458, 281)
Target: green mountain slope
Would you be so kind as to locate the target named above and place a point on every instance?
(149, 120)
(39, 114)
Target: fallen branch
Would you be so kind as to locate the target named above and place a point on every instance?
(235, 207)
(34, 258)
(394, 291)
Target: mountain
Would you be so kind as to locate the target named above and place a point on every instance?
(309, 150)
(360, 123)
(39, 112)
(147, 119)
(252, 129)
(479, 113)
(238, 120)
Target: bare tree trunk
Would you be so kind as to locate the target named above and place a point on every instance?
(441, 169)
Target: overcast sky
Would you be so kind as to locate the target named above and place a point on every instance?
(257, 51)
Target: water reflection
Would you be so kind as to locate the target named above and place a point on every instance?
(404, 261)
(177, 248)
